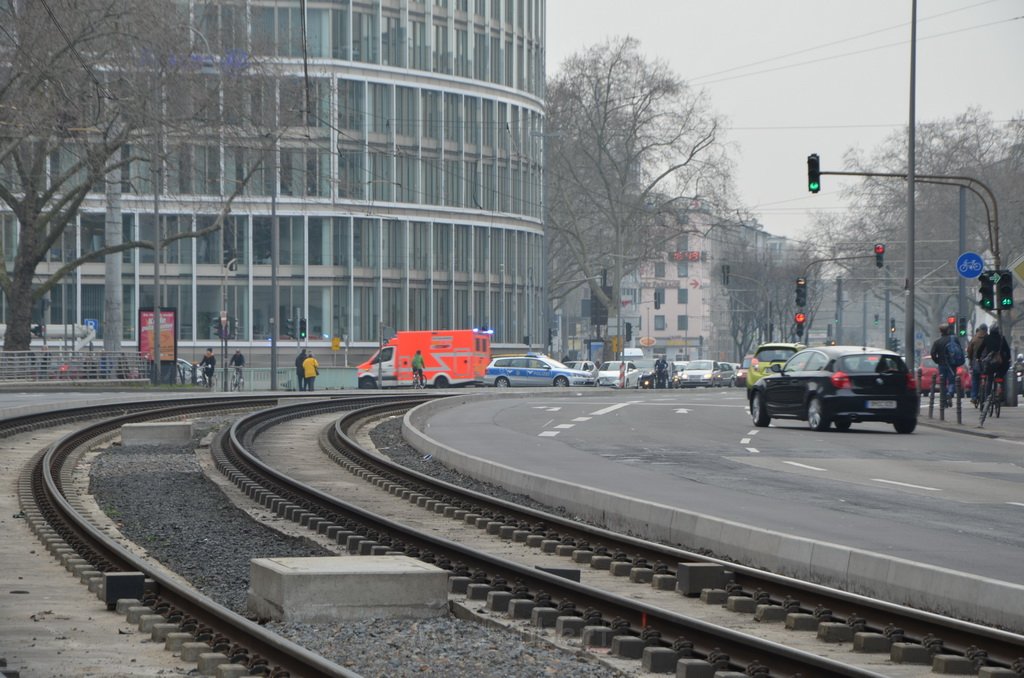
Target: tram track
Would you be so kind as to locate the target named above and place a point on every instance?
(647, 624)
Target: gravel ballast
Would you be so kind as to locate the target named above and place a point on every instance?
(161, 500)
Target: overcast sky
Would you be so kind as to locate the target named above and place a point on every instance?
(794, 77)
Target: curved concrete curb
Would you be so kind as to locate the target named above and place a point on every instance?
(905, 582)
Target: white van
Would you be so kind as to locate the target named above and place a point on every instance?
(632, 353)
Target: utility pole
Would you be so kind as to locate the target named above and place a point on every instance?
(839, 311)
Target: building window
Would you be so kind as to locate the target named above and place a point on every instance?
(682, 296)
(682, 323)
(683, 269)
(659, 269)
(659, 323)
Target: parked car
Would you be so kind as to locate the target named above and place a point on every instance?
(724, 374)
(930, 371)
(588, 366)
(741, 371)
(532, 370)
(766, 355)
(698, 373)
(608, 374)
(838, 385)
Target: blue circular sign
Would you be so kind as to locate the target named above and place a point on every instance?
(970, 265)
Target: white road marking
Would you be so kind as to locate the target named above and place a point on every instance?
(810, 468)
(753, 450)
(612, 408)
(565, 425)
(1015, 503)
(554, 409)
(752, 433)
(582, 419)
(682, 410)
(744, 441)
(548, 434)
(916, 487)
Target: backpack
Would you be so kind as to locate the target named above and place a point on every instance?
(955, 353)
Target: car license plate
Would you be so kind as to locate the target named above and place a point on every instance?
(881, 404)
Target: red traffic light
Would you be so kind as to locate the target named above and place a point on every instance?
(800, 318)
(951, 321)
(879, 248)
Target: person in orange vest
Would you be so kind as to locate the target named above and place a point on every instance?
(310, 368)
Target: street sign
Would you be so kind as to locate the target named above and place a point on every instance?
(970, 265)
(1017, 267)
(694, 283)
(647, 342)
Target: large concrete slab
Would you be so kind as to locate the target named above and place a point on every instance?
(160, 432)
(328, 589)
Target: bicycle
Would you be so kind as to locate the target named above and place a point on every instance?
(417, 379)
(238, 380)
(991, 398)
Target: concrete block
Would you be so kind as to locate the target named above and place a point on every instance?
(582, 557)
(122, 605)
(801, 621)
(564, 550)
(952, 664)
(135, 613)
(207, 663)
(159, 632)
(506, 531)
(95, 583)
(996, 672)
(770, 613)
(175, 639)
(158, 432)
(534, 540)
(619, 568)
(569, 626)
(190, 651)
(713, 596)
(231, 671)
(520, 536)
(641, 575)
(328, 589)
(366, 547)
(497, 601)
(659, 659)
(741, 604)
(458, 584)
(543, 617)
(494, 527)
(692, 578)
(627, 647)
(470, 518)
(663, 582)
(601, 562)
(834, 632)
(148, 621)
(477, 591)
(521, 608)
(910, 653)
(549, 545)
(688, 667)
(864, 641)
(597, 636)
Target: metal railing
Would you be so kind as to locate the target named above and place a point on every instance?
(258, 379)
(67, 365)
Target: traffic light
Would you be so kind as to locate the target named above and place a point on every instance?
(961, 327)
(987, 290)
(876, 320)
(800, 319)
(302, 328)
(892, 325)
(813, 173)
(879, 254)
(951, 322)
(629, 331)
(801, 292)
(289, 327)
(1005, 285)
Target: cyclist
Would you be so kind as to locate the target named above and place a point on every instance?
(995, 356)
(238, 362)
(208, 364)
(417, 369)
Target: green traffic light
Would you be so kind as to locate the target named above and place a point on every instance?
(814, 186)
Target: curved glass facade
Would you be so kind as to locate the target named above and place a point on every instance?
(406, 182)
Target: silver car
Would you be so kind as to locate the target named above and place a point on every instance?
(588, 366)
(698, 373)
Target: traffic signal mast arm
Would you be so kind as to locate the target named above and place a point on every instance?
(991, 213)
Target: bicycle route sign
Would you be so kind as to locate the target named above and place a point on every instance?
(970, 265)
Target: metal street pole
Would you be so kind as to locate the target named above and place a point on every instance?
(157, 172)
(275, 245)
(908, 330)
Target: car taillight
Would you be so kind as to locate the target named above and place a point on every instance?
(911, 382)
(840, 380)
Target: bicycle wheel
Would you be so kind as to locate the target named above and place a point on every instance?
(998, 400)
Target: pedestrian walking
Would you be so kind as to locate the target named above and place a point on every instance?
(974, 356)
(300, 372)
(311, 368)
(941, 354)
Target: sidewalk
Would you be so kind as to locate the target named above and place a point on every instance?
(1009, 424)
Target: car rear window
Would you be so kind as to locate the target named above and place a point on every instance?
(862, 363)
(775, 354)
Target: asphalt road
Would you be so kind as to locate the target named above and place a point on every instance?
(951, 500)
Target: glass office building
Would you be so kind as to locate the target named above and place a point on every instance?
(407, 187)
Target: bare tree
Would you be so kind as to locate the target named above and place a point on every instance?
(971, 144)
(629, 147)
(83, 89)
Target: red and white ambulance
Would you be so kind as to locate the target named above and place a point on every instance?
(450, 358)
